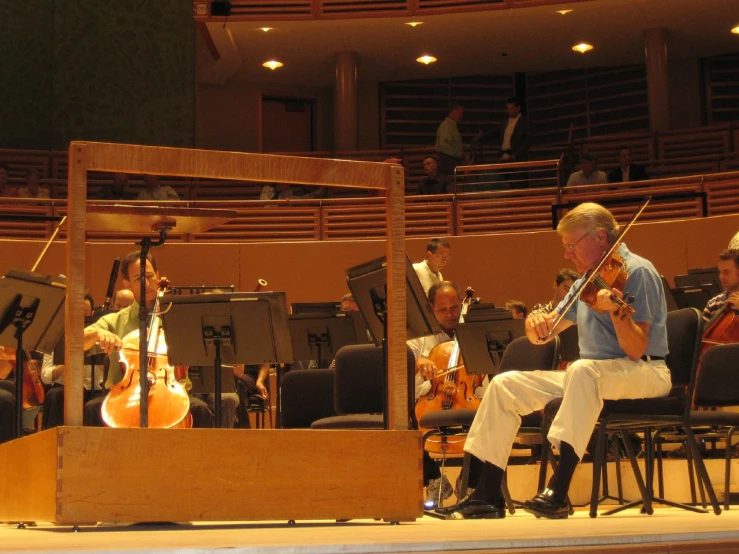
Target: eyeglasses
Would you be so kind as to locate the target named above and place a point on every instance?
(444, 257)
(574, 244)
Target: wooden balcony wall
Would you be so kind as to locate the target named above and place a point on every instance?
(443, 215)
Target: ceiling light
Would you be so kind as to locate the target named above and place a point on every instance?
(563, 12)
(735, 30)
(414, 23)
(426, 59)
(272, 64)
(265, 29)
(582, 47)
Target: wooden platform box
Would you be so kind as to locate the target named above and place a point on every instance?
(74, 475)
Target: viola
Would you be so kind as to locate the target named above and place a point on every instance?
(453, 389)
(168, 401)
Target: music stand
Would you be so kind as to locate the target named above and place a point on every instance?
(233, 328)
(482, 343)
(368, 284)
(315, 308)
(319, 336)
(32, 308)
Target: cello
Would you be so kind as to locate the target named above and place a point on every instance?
(168, 401)
(452, 389)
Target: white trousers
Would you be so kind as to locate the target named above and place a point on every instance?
(583, 388)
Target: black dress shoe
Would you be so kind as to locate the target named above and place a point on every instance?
(468, 508)
(545, 504)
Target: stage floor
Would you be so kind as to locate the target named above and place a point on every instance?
(668, 530)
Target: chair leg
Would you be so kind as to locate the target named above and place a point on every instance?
(597, 463)
(727, 467)
(507, 494)
(646, 500)
(546, 457)
(702, 470)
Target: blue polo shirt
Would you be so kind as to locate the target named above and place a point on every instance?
(597, 337)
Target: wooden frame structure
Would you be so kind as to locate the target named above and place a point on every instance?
(301, 474)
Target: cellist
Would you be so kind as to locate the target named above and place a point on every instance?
(105, 336)
(446, 301)
(728, 274)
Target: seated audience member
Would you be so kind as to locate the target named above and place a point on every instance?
(32, 188)
(438, 253)
(117, 189)
(517, 308)
(433, 183)
(122, 299)
(626, 171)
(154, 191)
(6, 189)
(562, 284)
(588, 174)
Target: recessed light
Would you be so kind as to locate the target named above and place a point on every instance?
(582, 47)
(735, 30)
(265, 29)
(414, 23)
(426, 59)
(563, 12)
(272, 64)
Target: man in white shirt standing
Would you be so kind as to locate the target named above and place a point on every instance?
(438, 253)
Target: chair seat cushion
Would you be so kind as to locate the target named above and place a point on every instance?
(701, 417)
(447, 418)
(666, 405)
(352, 421)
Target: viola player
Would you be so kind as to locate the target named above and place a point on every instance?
(622, 356)
(728, 274)
(106, 333)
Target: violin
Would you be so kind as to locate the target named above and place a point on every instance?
(452, 389)
(33, 388)
(611, 275)
(168, 401)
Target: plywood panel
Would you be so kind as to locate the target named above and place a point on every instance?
(213, 475)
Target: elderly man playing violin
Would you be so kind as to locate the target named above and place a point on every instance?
(622, 349)
(105, 336)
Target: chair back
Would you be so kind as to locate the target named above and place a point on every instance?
(307, 396)
(684, 329)
(522, 355)
(358, 380)
(717, 383)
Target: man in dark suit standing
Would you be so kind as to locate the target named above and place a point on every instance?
(627, 171)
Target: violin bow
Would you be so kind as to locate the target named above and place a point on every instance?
(593, 272)
(48, 243)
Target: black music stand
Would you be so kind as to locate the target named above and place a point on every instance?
(482, 343)
(315, 307)
(368, 284)
(319, 336)
(232, 328)
(32, 307)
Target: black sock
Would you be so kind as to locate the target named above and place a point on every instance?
(560, 481)
(488, 484)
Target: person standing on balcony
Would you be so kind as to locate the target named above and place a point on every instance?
(449, 145)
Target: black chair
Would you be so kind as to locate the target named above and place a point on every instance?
(519, 355)
(645, 415)
(717, 385)
(359, 377)
(307, 396)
